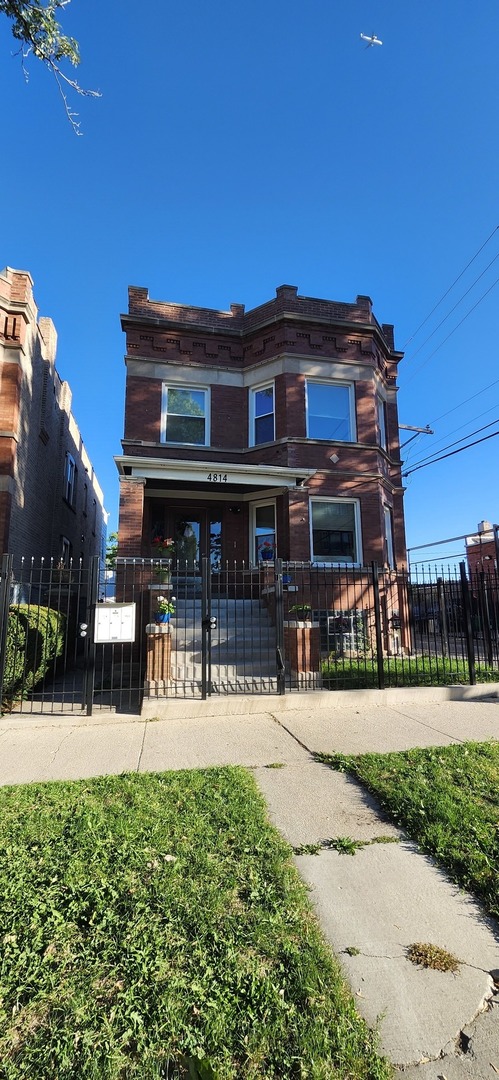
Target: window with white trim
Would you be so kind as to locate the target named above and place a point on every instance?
(263, 531)
(381, 417)
(330, 411)
(335, 529)
(262, 415)
(185, 415)
(389, 548)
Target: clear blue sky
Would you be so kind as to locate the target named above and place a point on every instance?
(236, 148)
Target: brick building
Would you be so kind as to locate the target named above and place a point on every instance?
(482, 548)
(51, 503)
(267, 432)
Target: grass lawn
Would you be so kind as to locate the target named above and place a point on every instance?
(146, 919)
(446, 798)
(360, 674)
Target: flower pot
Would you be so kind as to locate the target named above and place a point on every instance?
(161, 617)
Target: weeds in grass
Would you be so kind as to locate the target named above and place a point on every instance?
(275, 765)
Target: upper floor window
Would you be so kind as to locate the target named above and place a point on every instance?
(330, 411)
(185, 415)
(381, 416)
(70, 479)
(262, 415)
(335, 530)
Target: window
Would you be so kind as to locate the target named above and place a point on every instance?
(389, 549)
(330, 413)
(262, 415)
(263, 540)
(66, 553)
(70, 480)
(381, 415)
(335, 531)
(185, 416)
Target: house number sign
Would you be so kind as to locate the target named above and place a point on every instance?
(114, 623)
(217, 478)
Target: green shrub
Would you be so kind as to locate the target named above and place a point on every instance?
(35, 638)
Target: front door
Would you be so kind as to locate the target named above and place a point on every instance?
(196, 533)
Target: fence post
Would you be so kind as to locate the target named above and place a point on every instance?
(89, 655)
(465, 593)
(379, 629)
(279, 628)
(205, 630)
(443, 616)
(5, 580)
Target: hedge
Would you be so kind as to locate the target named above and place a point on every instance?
(35, 638)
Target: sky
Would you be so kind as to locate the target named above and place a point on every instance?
(238, 148)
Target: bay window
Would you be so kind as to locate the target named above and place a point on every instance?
(330, 411)
(335, 528)
(262, 418)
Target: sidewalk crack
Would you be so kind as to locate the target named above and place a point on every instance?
(141, 748)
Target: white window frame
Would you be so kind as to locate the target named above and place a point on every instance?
(164, 413)
(253, 418)
(358, 561)
(381, 423)
(252, 524)
(389, 539)
(350, 386)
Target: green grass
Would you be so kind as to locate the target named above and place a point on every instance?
(149, 918)
(446, 798)
(362, 674)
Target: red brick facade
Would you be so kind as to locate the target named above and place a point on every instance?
(37, 435)
(224, 485)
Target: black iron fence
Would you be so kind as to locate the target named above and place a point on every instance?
(76, 638)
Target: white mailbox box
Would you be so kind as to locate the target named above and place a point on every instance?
(114, 623)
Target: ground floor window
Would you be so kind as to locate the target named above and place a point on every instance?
(263, 531)
(389, 549)
(335, 529)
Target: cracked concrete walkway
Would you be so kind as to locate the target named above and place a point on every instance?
(372, 905)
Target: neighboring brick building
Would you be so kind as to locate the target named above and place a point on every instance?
(51, 504)
(482, 548)
(273, 430)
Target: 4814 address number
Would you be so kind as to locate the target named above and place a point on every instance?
(217, 478)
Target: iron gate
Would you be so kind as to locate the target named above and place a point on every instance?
(274, 628)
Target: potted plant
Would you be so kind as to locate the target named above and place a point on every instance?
(164, 609)
(301, 612)
(163, 548)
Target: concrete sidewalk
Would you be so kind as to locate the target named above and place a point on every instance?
(371, 906)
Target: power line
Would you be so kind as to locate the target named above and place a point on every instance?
(415, 468)
(442, 298)
(455, 443)
(428, 358)
(449, 313)
(465, 402)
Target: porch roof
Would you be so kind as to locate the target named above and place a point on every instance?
(212, 473)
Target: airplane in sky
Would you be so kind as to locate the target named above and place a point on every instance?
(372, 40)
